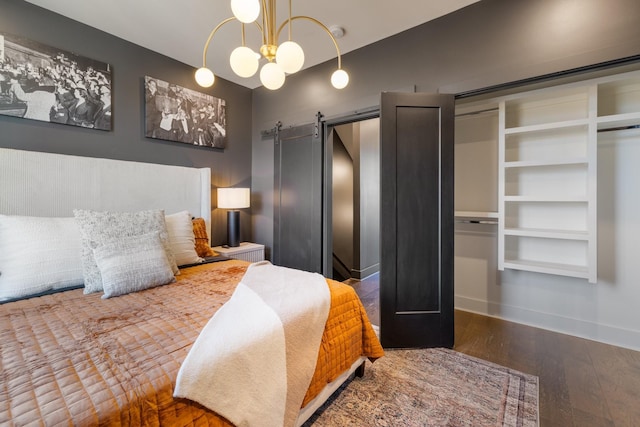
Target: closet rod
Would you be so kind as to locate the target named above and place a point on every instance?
(619, 128)
(473, 113)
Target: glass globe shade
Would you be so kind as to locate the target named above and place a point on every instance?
(245, 11)
(340, 79)
(205, 77)
(290, 57)
(272, 76)
(244, 61)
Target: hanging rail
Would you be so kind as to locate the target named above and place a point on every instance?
(612, 129)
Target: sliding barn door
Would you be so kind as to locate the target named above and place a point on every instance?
(297, 240)
(416, 274)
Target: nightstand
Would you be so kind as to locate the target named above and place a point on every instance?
(252, 252)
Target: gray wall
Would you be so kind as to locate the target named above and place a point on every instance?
(343, 201)
(368, 202)
(485, 44)
(130, 63)
(356, 197)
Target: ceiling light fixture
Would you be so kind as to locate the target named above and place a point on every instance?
(283, 59)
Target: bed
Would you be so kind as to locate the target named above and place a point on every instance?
(74, 358)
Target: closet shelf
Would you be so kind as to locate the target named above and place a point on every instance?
(548, 267)
(554, 162)
(618, 120)
(547, 234)
(476, 214)
(547, 126)
(476, 217)
(547, 199)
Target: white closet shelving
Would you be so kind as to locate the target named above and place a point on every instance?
(529, 161)
(547, 181)
(548, 172)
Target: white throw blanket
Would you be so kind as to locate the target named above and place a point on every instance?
(254, 360)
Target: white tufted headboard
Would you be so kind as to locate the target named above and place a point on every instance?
(45, 184)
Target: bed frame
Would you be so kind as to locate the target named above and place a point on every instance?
(46, 184)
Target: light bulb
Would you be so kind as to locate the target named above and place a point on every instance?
(272, 76)
(340, 79)
(205, 77)
(243, 61)
(245, 11)
(290, 57)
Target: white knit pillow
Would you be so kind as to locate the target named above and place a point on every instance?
(38, 254)
(182, 239)
(99, 227)
(131, 264)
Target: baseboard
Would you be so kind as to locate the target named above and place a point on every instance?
(577, 327)
(365, 272)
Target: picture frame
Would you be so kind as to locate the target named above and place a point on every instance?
(45, 83)
(178, 114)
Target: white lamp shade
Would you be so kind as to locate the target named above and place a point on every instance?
(340, 79)
(234, 198)
(205, 77)
(245, 11)
(290, 57)
(272, 76)
(243, 61)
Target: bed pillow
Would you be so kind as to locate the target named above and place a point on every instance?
(38, 254)
(99, 227)
(202, 238)
(182, 239)
(131, 264)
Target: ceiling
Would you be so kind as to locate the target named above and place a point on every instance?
(180, 29)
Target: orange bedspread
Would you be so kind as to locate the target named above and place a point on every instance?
(74, 359)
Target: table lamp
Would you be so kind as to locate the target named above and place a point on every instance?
(233, 199)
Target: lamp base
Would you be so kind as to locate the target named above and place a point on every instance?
(233, 228)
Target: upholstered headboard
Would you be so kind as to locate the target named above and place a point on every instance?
(45, 184)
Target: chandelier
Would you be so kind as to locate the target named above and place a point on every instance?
(286, 58)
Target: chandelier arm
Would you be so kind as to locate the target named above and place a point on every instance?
(259, 27)
(324, 27)
(206, 45)
(243, 34)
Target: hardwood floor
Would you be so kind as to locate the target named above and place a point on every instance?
(369, 292)
(583, 383)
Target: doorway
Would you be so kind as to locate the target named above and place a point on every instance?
(415, 223)
(414, 248)
(352, 148)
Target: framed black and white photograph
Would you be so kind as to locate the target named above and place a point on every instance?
(178, 114)
(41, 82)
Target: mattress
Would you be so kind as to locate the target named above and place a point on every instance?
(75, 359)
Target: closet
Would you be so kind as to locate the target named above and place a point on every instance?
(527, 177)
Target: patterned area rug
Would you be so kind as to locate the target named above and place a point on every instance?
(433, 387)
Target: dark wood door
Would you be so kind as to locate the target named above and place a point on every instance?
(416, 274)
(297, 240)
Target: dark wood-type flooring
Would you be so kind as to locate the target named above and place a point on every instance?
(583, 383)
